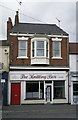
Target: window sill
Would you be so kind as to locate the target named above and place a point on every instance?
(39, 60)
(59, 98)
(22, 57)
(40, 57)
(57, 58)
(34, 99)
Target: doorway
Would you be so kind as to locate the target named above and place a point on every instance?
(15, 93)
(48, 93)
(75, 92)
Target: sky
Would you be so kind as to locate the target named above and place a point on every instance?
(40, 11)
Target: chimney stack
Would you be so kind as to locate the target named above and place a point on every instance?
(16, 18)
(9, 25)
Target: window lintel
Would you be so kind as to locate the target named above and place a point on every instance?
(22, 38)
(57, 39)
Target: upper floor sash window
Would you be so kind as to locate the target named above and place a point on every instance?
(22, 48)
(56, 48)
(33, 49)
(47, 49)
(40, 47)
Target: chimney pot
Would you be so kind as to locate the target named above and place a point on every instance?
(16, 12)
(16, 18)
(9, 19)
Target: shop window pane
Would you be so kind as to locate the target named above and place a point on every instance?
(41, 89)
(75, 92)
(75, 89)
(32, 90)
(59, 89)
(59, 83)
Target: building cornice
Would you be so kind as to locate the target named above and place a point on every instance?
(33, 35)
(47, 68)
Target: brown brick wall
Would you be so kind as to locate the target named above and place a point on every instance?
(64, 54)
(55, 62)
(14, 52)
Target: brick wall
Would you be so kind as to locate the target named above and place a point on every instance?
(14, 52)
(55, 62)
(64, 54)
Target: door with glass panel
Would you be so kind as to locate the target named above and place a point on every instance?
(75, 92)
(48, 93)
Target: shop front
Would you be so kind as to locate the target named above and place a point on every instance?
(33, 87)
(74, 88)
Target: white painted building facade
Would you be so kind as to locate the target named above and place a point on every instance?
(46, 84)
(73, 57)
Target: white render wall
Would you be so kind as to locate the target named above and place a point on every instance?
(23, 91)
(15, 77)
(73, 68)
(73, 62)
(23, 94)
(4, 57)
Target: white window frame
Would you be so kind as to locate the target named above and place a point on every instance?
(45, 40)
(40, 48)
(59, 87)
(56, 40)
(23, 39)
(38, 90)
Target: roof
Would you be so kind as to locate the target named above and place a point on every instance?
(31, 28)
(73, 48)
(4, 43)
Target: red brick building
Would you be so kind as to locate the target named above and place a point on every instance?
(39, 63)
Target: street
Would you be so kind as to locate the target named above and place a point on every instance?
(39, 111)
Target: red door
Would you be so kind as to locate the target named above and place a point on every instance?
(15, 93)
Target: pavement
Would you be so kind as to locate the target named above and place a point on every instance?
(39, 111)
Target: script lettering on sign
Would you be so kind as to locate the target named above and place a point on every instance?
(24, 76)
(38, 76)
